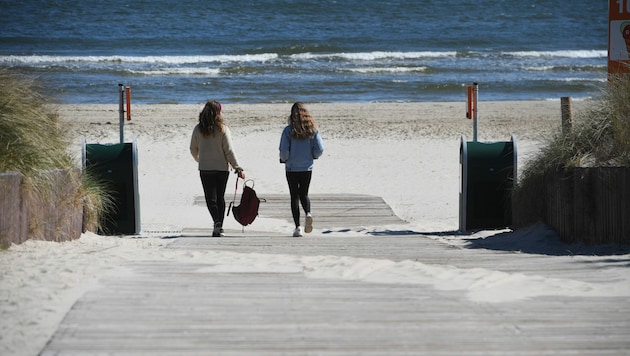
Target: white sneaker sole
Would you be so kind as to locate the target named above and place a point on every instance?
(309, 224)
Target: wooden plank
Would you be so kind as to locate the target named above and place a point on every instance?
(12, 229)
(330, 210)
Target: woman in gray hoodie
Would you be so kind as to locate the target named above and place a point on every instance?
(300, 144)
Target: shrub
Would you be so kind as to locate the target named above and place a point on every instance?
(30, 136)
(32, 141)
(600, 137)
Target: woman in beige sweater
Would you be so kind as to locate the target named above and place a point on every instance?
(211, 146)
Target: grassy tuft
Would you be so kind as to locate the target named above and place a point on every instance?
(32, 141)
(30, 135)
(600, 137)
(97, 201)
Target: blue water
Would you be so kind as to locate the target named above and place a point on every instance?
(186, 51)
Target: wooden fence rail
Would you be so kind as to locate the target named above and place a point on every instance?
(54, 213)
(586, 205)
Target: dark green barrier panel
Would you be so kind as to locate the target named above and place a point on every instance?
(117, 166)
(488, 174)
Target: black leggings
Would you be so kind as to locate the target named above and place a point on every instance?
(214, 184)
(298, 188)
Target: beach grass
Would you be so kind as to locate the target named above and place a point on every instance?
(30, 134)
(33, 142)
(599, 137)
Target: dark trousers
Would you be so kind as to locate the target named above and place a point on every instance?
(298, 188)
(214, 184)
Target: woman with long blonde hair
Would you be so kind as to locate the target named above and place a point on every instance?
(300, 144)
(211, 146)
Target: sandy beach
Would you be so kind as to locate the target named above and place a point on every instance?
(406, 153)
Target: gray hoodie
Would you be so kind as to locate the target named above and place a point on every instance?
(298, 155)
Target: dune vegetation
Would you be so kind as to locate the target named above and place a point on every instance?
(33, 142)
(599, 137)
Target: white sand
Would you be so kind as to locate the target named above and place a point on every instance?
(407, 153)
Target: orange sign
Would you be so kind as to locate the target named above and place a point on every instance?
(619, 36)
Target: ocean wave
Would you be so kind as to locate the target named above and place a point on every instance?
(178, 71)
(560, 68)
(173, 60)
(369, 56)
(574, 80)
(50, 60)
(559, 54)
(387, 70)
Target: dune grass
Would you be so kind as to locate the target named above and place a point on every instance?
(32, 142)
(29, 134)
(600, 137)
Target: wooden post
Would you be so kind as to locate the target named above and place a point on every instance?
(567, 115)
(12, 220)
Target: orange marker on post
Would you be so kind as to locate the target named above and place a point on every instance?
(128, 94)
(469, 102)
(471, 106)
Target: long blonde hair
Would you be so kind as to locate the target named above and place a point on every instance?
(302, 124)
(210, 118)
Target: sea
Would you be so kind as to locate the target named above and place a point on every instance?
(282, 51)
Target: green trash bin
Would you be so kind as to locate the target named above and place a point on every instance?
(488, 172)
(117, 166)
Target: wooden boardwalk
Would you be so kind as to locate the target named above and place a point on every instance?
(182, 308)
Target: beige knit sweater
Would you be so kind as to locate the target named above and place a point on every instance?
(213, 152)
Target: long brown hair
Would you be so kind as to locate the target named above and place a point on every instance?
(210, 118)
(302, 124)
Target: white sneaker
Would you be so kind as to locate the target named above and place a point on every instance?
(297, 232)
(309, 223)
